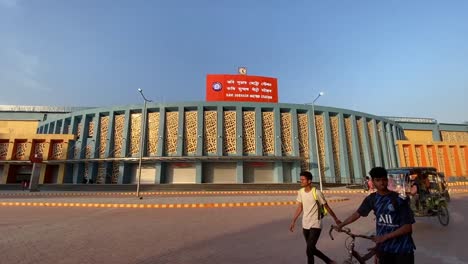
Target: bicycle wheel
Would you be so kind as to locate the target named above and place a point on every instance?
(443, 215)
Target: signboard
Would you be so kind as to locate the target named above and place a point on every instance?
(241, 88)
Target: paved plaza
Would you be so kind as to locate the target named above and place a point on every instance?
(199, 235)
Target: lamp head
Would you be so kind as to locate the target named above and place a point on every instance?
(321, 93)
(140, 90)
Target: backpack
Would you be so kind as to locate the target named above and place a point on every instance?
(322, 210)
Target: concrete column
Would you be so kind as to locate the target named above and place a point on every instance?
(295, 170)
(97, 135)
(162, 131)
(219, 149)
(313, 147)
(158, 177)
(110, 136)
(397, 152)
(11, 147)
(240, 172)
(239, 135)
(376, 145)
(369, 162)
(295, 133)
(330, 172)
(356, 151)
(4, 176)
(124, 172)
(46, 154)
(391, 145)
(277, 129)
(126, 134)
(278, 172)
(198, 172)
(258, 132)
(200, 131)
(436, 133)
(384, 144)
(180, 133)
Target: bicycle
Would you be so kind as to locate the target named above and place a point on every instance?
(352, 253)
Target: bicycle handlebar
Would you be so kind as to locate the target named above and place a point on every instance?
(348, 232)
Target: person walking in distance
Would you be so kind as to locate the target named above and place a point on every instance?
(310, 202)
(394, 220)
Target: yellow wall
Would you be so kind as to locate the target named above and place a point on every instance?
(18, 127)
(419, 135)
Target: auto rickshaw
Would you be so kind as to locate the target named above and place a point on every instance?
(425, 188)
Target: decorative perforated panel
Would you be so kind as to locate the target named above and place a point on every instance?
(268, 133)
(190, 131)
(39, 149)
(335, 144)
(91, 129)
(119, 121)
(229, 135)
(4, 150)
(406, 154)
(451, 159)
(79, 130)
(303, 136)
(349, 145)
(454, 136)
(286, 134)
(418, 155)
(21, 150)
(321, 141)
(370, 136)
(248, 132)
(135, 133)
(57, 150)
(172, 126)
(430, 156)
(88, 152)
(153, 133)
(211, 131)
(103, 136)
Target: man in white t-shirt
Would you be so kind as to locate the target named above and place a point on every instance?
(311, 219)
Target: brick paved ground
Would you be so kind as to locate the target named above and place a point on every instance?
(207, 235)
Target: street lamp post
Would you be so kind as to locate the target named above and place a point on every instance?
(142, 133)
(316, 139)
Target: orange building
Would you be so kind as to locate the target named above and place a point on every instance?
(428, 143)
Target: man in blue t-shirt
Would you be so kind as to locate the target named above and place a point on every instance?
(393, 218)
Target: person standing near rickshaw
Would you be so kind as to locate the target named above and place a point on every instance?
(394, 220)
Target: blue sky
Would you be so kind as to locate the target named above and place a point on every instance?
(397, 58)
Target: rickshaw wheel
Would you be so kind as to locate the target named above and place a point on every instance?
(443, 215)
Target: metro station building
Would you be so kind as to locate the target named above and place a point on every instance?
(227, 139)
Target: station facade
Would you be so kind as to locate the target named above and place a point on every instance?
(240, 135)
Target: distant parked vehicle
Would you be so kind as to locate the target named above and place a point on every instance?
(426, 189)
